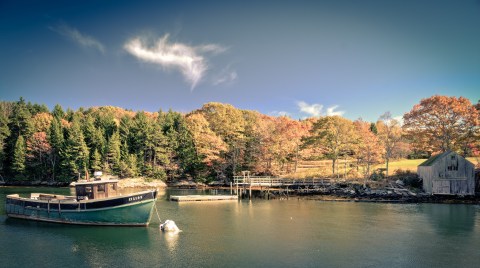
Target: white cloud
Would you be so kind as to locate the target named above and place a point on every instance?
(399, 119)
(187, 59)
(317, 109)
(79, 38)
(331, 111)
(310, 109)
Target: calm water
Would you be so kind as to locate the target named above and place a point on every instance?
(259, 233)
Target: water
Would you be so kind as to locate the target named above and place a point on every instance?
(260, 233)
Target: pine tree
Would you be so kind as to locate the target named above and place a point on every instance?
(75, 152)
(18, 163)
(20, 122)
(58, 112)
(56, 140)
(113, 153)
(96, 161)
(187, 155)
(4, 133)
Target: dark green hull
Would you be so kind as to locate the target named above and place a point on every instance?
(130, 210)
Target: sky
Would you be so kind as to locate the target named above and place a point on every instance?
(358, 59)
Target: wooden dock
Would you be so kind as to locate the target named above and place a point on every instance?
(246, 183)
(197, 198)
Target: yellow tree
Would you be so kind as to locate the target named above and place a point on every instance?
(209, 146)
(335, 136)
(228, 123)
(369, 149)
(41, 122)
(390, 134)
(287, 134)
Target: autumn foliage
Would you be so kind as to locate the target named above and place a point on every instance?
(219, 141)
(442, 123)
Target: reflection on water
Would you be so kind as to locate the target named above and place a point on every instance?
(171, 239)
(258, 233)
(450, 219)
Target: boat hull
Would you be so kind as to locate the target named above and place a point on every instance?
(130, 210)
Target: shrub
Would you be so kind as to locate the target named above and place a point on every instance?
(408, 177)
(377, 174)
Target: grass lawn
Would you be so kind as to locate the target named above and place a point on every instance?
(411, 164)
(326, 171)
(404, 164)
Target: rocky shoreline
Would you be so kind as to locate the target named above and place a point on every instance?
(387, 198)
(394, 192)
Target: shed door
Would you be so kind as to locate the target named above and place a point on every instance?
(441, 187)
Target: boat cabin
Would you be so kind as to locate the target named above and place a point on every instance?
(87, 190)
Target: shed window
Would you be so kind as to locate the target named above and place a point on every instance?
(453, 163)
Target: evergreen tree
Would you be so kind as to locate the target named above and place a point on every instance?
(18, 163)
(20, 121)
(58, 112)
(74, 153)
(189, 161)
(113, 153)
(96, 161)
(37, 108)
(56, 140)
(20, 124)
(4, 133)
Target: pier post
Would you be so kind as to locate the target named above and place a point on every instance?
(231, 188)
(250, 192)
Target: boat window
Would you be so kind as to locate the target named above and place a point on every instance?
(101, 188)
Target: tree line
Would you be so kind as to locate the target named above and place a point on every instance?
(218, 140)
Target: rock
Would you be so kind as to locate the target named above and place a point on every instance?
(400, 182)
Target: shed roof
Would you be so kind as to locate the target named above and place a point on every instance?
(434, 159)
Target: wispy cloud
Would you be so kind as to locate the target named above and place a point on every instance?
(79, 38)
(226, 76)
(317, 109)
(189, 60)
(331, 111)
(279, 113)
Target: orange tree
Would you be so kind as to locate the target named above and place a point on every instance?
(442, 123)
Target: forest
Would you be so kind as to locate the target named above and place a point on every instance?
(218, 141)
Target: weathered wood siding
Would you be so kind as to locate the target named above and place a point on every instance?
(451, 174)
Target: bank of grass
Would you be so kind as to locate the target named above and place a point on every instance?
(326, 171)
(402, 164)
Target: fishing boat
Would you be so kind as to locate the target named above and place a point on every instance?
(96, 202)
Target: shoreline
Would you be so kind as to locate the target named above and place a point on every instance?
(433, 199)
(338, 195)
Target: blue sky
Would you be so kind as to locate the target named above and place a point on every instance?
(302, 58)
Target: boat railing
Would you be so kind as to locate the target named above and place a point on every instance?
(51, 197)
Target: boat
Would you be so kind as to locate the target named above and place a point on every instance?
(96, 202)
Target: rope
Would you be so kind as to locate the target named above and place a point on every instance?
(158, 215)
